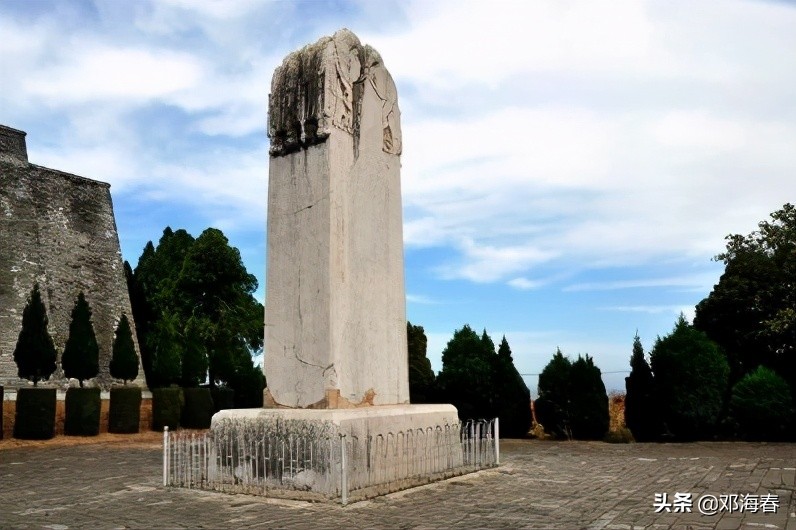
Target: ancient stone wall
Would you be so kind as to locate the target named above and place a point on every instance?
(59, 230)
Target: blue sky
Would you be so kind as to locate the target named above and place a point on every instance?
(569, 168)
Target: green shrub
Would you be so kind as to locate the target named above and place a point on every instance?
(82, 412)
(167, 406)
(198, 408)
(691, 376)
(35, 414)
(223, 398)
(761, 405)
(125, 410)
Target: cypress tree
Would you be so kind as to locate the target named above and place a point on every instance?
(641, 416)
(35, 352)
(588, 400)
(421, 376)
(464, 374)
(80, 359)
(552, 405)
(691, 375)
(513, 396)
(124, 361)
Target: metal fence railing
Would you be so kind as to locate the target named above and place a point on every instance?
(317, 463)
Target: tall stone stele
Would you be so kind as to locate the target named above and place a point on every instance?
(335, 307)
(335, 317)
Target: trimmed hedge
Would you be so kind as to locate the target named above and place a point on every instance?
(124, 415)
(35, 414)
(82, 412)
(198, 408)
(223, 398)
(167, 406)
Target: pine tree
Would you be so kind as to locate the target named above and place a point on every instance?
(466, 374)
(641, 416)
(572, 400)
(588, 400)
(513, 396)
(202, 281)
(691, 377)
(35, 352)
(421, 376)
(80, 359)
(552, 405)
(124, 361)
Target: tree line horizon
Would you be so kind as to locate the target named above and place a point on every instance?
(198, 323)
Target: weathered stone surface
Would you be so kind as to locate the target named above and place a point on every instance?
(59, 230)
(13, 148)
(335, 302)
(360, 422)
(326, 85)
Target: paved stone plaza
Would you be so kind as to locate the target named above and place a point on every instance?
(539, 485)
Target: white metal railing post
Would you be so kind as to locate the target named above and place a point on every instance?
(166, 455)
(478, 445)
(497, 441)
(471, 445)
(343, 476)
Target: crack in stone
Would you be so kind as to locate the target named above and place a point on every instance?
(325, 196)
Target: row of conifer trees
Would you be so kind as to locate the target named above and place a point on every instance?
(36, 359)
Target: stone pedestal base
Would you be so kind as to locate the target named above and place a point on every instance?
(354, 423)
(339, 453)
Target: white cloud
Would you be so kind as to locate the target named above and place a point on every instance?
(685, 309)
(533, 136)
(697, 129)
(486, 43)
(702, 281)
(486, 263)
(648, 137)
(209, 180)
(420, 299)
(173, 17)
(524, 284)
(94, 72)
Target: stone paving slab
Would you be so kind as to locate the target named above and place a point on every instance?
(539, 485)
